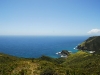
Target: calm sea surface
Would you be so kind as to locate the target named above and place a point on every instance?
(36, 46)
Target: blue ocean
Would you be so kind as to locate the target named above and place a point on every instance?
(36, 46)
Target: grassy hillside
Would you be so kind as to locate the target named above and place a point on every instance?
(80, 63)
(10, 65)
(91, 44)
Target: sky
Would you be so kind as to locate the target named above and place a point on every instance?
(50, 17)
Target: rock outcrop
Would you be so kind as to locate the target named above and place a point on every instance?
(63, 53)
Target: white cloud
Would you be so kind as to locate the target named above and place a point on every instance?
(94, 31)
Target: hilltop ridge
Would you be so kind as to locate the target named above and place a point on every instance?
(91, 44)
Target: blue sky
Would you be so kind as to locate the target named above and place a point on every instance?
(49, 17)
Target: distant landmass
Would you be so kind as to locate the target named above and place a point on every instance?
(91, 44)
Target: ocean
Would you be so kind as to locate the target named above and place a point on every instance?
(36, 46)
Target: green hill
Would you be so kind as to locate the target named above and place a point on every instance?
(91, 44)
(80, 63)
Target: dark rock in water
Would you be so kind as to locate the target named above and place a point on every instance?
(65, 52)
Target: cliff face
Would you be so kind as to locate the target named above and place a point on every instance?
(91, 44)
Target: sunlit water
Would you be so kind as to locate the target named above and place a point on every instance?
(36, 46)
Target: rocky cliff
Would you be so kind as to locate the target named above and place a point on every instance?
(91, 44)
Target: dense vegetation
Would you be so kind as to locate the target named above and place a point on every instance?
(80, 63)
(91, 44)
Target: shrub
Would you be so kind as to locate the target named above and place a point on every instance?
(48, 71)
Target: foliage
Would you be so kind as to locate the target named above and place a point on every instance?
(80, 63)
(48, 71)
(43, 57)
(91, 44)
